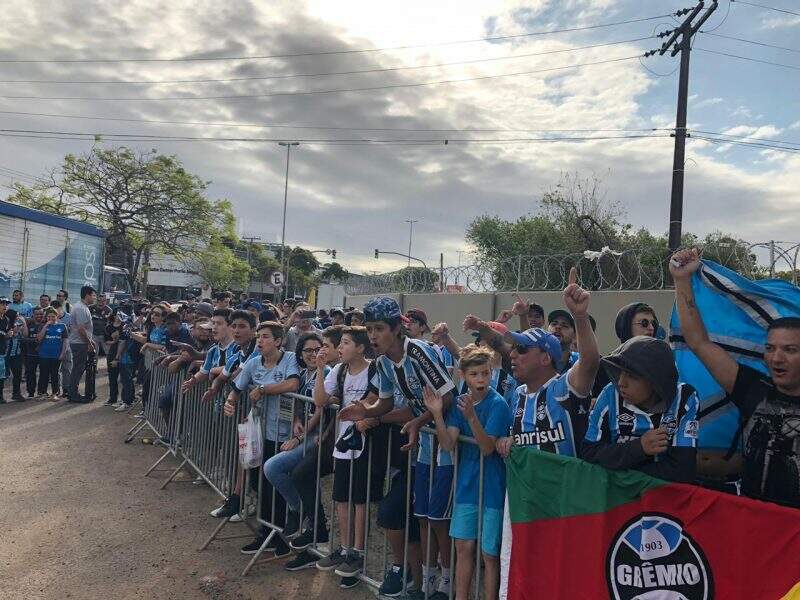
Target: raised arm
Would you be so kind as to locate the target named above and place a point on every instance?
(719, 363)
(576, 299)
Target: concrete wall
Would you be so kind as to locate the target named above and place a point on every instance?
(451, 308)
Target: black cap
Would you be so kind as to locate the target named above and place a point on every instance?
(560, 312)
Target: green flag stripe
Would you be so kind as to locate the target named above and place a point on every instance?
(542, 485)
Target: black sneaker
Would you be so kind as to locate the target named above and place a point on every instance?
(18, 398)
(292, 524)
(334, 559)
(253, 546)
(304, 560)
(109, 402)
(306, 539)
(280, 548)
(352, 566)
(348, 582)
(392, 585)
(227, 510)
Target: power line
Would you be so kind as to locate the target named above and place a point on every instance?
(333, 52)
(746, 138)
(780, 10)
(320, 92)
(76, 135)
(738, 39)
(325, 74)
(748, 58)
(323, 127)
(749, 144)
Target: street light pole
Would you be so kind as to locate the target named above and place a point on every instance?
(410, 234)
(284, 262)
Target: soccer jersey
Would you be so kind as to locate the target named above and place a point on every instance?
(615, 421)
(495, 418)
(277, 411)
(238, 358)
(218, 356)
(54, 335)
(420, 365)
(553, 418)
(502, 382)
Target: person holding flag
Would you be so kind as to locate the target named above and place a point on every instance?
(769, 404)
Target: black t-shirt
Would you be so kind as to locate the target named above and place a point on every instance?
(99, 319)
(30, 343)
(770, 438)
(5, 333)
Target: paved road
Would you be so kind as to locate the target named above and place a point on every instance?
(79, 520)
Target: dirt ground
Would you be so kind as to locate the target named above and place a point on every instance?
(78, 519)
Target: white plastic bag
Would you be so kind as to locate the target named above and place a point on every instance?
(251, 445)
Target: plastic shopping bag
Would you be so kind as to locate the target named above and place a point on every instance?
(251, 444)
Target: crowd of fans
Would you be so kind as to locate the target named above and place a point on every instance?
(543, 385)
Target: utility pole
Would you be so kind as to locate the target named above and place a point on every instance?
(410, 234)
(686, 32)
(284, 261)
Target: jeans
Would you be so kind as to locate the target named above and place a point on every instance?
(113, 383)
(126, 375)
(14, 370)
(79, 356)
(65, 369)
(31, 368)
(48, 373)
(278, 471)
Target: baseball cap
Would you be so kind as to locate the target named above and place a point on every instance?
(381, 309)
(560, 312)
(204, 325)
(417, 314)
(253, 304)
(536, 337)
(204, 308)
(5, 300)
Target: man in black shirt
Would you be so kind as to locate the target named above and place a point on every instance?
(769, 405)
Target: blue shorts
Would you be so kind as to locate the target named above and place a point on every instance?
(433, 502)
(464, 526)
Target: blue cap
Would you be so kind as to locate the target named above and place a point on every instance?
(535, 337)
(253, 304)
(382, 309)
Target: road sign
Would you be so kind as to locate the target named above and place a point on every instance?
(276, 279)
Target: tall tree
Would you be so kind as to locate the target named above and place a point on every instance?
(333, 271)
(146, 201)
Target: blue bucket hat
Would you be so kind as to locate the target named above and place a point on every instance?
(382, 309)
(535, 337)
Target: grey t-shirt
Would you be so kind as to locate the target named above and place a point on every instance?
(79, 315)
(293, 335)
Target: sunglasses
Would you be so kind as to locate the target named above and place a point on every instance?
(521, 349)
(646, 323)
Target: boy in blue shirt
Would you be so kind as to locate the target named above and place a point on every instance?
(484, 415)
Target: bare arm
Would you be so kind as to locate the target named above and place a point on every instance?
(581, 376)
(719, 363)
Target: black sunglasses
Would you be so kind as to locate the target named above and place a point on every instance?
(646, 323)
(519, 349)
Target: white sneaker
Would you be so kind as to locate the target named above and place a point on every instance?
(217, 511)
(121, 407)
(237, 518)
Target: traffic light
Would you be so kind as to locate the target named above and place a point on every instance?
(333, 253)
(377, 253)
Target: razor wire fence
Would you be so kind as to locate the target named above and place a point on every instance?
(605, 269)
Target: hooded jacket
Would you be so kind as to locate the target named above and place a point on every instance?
(652, 360)
(649, 358)
(624, 321)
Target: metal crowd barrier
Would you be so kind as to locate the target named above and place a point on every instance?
(201, 436)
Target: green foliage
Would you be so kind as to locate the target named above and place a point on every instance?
(333, 271)
(303, 260)
(574, 217)
(146, 201)
(219, 266)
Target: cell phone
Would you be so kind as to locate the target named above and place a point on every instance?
(308, 314)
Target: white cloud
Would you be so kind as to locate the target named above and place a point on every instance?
(707, 102)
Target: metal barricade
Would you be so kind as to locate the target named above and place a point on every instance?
(205, 439)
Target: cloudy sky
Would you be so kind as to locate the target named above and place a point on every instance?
(356, 197)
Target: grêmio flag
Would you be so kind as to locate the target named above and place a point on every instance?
(580, 531)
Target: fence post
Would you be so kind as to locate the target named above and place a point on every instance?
(519, 271)
(441, 272)
(771, 259)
